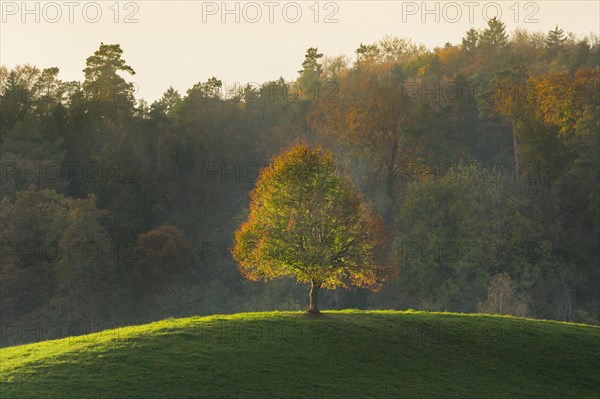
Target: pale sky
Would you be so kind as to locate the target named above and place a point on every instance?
(180, 43)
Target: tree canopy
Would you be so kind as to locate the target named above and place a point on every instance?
(307, 221)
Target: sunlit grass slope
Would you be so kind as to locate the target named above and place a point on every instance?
(347, 354)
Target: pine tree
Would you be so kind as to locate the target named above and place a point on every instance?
(555, 38)
(470, 41)
(494, 37)
(311, 73)
(104, 86)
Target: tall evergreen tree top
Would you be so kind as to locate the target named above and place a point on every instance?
(556, 38)
(494, 36)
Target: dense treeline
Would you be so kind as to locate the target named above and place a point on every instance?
(482, 156)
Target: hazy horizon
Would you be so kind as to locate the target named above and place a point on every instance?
(184, 42)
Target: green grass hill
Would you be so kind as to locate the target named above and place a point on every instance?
(343, 354)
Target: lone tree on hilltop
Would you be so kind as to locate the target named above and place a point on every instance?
(308, 221)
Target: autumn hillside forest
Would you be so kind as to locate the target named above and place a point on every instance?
(473, 166)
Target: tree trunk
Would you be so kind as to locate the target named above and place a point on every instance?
(516, 155)
(313, 308)
(391, 169)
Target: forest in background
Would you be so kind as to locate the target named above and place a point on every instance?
(482, 156)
